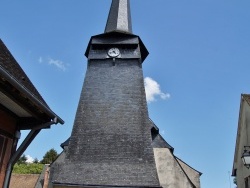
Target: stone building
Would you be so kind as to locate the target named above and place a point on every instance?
(21, 108)
(240, 171)
(113, 142)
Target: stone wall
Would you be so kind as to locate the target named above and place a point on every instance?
(193, 175)
(169, 171)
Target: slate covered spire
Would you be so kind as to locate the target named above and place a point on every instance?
(111, 143)
(119, 19)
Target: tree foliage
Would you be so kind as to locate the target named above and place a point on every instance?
(22, 167)
(32, 168)
(36, 160)
(49, 156)
(22, 160)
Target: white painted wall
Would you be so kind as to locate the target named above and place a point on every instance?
(169, 170)
(243, 139)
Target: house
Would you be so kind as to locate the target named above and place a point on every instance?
(240, 171)
(21, 108)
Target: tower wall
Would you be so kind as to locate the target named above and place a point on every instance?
(111, 140)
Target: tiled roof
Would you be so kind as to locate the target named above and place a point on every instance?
(8, 62)
(23, 180)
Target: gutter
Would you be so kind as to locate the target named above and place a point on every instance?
(29, 138)
(32, 97)
(70, 185)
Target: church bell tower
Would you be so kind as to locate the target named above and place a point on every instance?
(110, 144)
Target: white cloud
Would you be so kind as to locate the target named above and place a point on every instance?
(29, 159)
(153, 90)
(59, 64)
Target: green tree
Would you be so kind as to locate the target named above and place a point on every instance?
(22, 159)
(36, 161)
(49, 156)
(31, 168)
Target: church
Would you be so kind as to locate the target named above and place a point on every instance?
(114, 143)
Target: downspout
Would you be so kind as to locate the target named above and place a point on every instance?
(32, 134)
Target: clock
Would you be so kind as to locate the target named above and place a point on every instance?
(113, 52)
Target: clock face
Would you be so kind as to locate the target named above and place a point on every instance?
(114, 52)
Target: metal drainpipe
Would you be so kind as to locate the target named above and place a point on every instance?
(32, 134)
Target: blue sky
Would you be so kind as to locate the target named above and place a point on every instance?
(199, 57)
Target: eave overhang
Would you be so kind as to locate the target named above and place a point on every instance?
(24, 104)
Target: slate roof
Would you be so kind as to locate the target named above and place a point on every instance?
(66, 143)
(157, 140)
(119, 19)
(8, 62)
(19, 96)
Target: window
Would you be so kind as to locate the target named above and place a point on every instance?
(246, 182)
